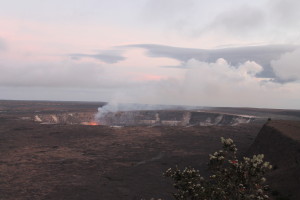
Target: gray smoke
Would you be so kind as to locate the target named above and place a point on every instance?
(114, 107)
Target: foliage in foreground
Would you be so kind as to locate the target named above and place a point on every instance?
(230, 178)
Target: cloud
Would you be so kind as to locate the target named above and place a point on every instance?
(244, 76)
(107, 57)
(196, 19)
(215, 84)
(262, 55)
(287, 67)
(203, 83)
(3, 45)
(285, 12)
(220, 83)
(273, 21)
(168, 12)
(49, 74)
(239, 21)
(170, 15)
(54, 93)
(65, 72)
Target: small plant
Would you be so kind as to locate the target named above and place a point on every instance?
(230, 178)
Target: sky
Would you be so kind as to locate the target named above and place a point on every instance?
(233, 53)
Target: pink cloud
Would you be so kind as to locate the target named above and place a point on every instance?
(147, 77)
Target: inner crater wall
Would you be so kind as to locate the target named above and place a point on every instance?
(144, 118)
(172, 118)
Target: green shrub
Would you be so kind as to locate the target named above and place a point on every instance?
(230, 178)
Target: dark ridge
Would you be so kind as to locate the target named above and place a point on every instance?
(279, 141)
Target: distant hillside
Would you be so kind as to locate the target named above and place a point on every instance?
(280, 142)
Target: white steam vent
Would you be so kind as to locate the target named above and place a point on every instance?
(155, 115)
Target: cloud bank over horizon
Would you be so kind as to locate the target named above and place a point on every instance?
(203, 80)
(233, 53)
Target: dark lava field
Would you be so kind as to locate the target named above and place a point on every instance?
(75, 161)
